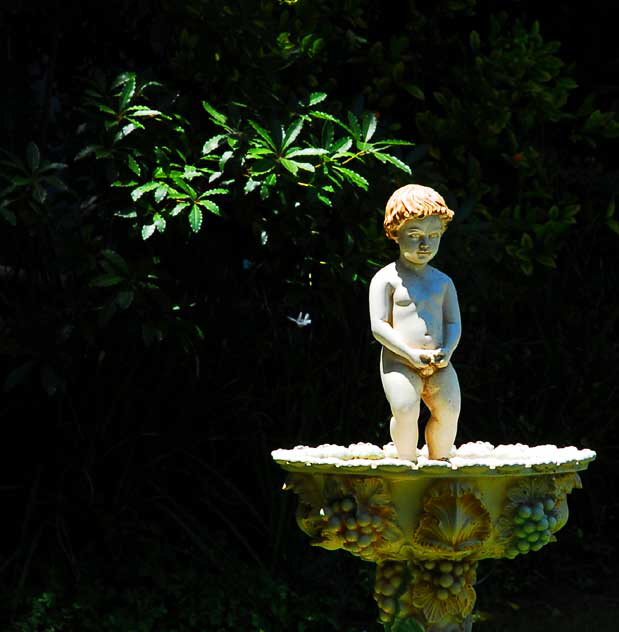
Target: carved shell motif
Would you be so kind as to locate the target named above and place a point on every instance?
(454, 522)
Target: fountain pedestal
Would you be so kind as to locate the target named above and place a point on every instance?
(427, 525)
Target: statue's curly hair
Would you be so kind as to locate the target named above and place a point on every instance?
(414, 200)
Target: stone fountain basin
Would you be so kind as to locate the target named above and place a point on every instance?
(427, 524)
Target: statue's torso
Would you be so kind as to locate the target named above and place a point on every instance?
(417, 306)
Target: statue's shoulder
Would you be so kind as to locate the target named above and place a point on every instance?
(388, 274)
(441, 277)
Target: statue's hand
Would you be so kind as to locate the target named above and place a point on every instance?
(441, 359)
(421, 358)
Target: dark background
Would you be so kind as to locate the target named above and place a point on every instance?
(138, 489)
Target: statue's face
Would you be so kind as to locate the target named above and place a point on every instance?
(419, 239)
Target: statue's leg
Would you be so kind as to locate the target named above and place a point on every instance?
(442, 396)
(403, 390)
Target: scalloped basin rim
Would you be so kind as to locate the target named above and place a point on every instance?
(468, 460)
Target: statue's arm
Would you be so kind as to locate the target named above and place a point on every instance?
(452, 325)
(381, 306)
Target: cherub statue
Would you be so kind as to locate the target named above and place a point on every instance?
(415, 316)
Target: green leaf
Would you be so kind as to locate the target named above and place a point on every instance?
(610, 209)
(190, 172)
(354, 126)
(354, 177)
(263, 134)
(125, 131)
(262, 166)
(215, 192)
(116, 261)
(147, 231)
(324, 199)
(613, 224)
(341, 146)
(328, 117)
(52, 166)
(195, 218)
(8, 215)
(161, 192)
(415, 91)
(18, 375)
(106, 109)
(317, 97)
(133, 165)
(106, 280)
(128, 91)
(124, 298)
(136, 194)
(178, 208)
(185, 186)
(159, 222)
(394, 161)
(290, 165)
(547, 260)
(50, 379)
(212, 143)
(267, 185)
(218, 116)
(121, 79)
(369, 126)
(251, 185)
(143, 111)
(33, 156)
(224, 159)
(292, 132)
(309, 151)
(56, 183)
(394, 141)
(211, 206)
(526, 241)
(474, 40)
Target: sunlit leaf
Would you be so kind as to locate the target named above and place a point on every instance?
(136, 194)
(218, 116)
(308, 151)
(317, 97)
(328, 117)
(292, 132)
(394, 161)
(211, 206)
(263, 133)
(147, 231)
(178, 208)
(128, 91)
(133, 165)
(195, 218)
(212, 143)
(369, 126)
(354, 177)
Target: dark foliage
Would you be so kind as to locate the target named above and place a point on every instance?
(148, 362)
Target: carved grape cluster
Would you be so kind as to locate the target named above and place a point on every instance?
(533, 526)
(449, 578)
(389, 583)
(357, 527)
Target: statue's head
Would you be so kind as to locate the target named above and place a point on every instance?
(414, 201)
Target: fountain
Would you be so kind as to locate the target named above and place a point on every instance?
(427, 517)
